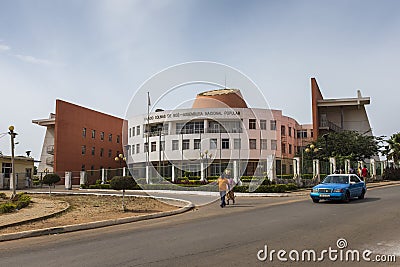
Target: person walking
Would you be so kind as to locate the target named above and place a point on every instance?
(364, 173)
(222, 187)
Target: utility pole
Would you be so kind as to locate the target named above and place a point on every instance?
(12, 180)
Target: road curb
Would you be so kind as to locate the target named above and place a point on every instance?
(98, 224)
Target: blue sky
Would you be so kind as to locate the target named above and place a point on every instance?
(98, 53)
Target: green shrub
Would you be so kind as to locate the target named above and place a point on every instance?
(122, 183)
(51, 178)
(391, 173)
(7, 207)
(23, 201)
(84, 186)
(3, 195)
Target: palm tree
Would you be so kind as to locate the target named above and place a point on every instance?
(392, 151)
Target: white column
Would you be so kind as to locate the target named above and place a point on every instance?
(68, 180)
(347, 166)
(202, 172)
(296, 170)
(124, 171)
(173, 173)
(103, 176)
(373, 168)
(316, 172)
(1, 181)
(82, 176)
(332, 164)
(271, 168)
(235, 172)
(205, 126)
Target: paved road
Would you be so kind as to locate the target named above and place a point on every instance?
(211, 236)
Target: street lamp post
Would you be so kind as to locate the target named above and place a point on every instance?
(325, 136)
(120, 158)
(206, 156)
(12, 180)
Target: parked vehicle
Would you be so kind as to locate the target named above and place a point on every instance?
(339, 187)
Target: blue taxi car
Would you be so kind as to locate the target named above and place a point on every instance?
(339, 187)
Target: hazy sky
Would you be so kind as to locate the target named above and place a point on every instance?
(98, 53)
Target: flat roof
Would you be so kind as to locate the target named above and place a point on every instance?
(357, 101)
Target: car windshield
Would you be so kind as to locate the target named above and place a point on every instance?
(336, 179)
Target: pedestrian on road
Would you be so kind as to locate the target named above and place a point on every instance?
(364, 173)
(359, 172)
(222, 186)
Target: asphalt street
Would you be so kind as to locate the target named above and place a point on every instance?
(233, 236)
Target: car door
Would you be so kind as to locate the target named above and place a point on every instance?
(355, 185)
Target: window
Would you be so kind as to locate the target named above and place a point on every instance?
(175, 144)
(213, 143)
(263, 124)
(83, 150)
(162, 145)
(185, 144)
(84, 132)
(283, 130)
(146, 147)
(312, 134)
(101, 152)
(133, 131)
(252, 124)
(130, 132)
(237, 143)
(264, 144)
(225, 143)
(283, 147)
(110, 137)
(274, 145)
(197, 144)
(190, 127)
(253, 143)
(290, 149)
(273, 125)
(83, 167)
(101, 136)
(117, 139)
(109, 153)
(138, 130)
(302, 134)
(93, 134)
(133, 149)
(137, 148)
(290, 131)
(91, 170)
(153, 146)
(93, 150)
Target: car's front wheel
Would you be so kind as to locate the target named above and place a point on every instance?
(315, 200)
(362, 194)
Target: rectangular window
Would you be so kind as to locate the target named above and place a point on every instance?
(133, 131)
(130, 132)
(263, 124)
(290, 131)
(302, 134)
(84, 132)
(290, 149)
(110, 137)
(117, 139)
(146, 147)
(101, 152)
(93, 134)
(153, 146)
(133, 150)
(137, 148)
(175, 144)
(162, 145)
(237, 143)
(252, 124)
(101, 136)
(253, 143)
(93, 150)
(197, 144)
(138, 130)
(225, 143)
(274, 145)
(213, 143)
(185, 144)
(264, 144)
(283, 147)
(273, 125)
(109, 153)
(83, 150)
(283, 130)
(83, 167)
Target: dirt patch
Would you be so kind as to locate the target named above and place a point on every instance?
(86, 208)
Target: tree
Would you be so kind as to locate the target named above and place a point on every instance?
(392, 150)
(346, 145)
(122, 183)
(50, 179)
